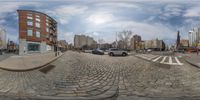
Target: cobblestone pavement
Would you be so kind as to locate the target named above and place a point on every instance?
(80, 76)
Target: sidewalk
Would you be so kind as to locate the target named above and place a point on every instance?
(28, 62)
(192, 59)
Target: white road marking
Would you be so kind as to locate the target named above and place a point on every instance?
(156, 59)
(163, 59)
(170, 60)
(179, 63)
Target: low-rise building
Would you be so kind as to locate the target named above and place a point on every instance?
(63, 45)
(83, 42)
(135, 42)
(155, 44)
(184, 43)
(12, 46)
(105, 46)
(3, 40)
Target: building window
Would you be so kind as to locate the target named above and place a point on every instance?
(47, 29)
(47, 24)
(47, 35)
(37, 19)
(29, 23)
(29, 17)
(37, 16)
(30, 32)
(37, 24)
(29, 14)
(37, 34)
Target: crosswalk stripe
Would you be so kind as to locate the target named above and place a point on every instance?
(163, 59)
(170, 60)
(157, 58)
(152, 56)
(178, 61)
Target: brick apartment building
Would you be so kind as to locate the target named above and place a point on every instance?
(37, 32)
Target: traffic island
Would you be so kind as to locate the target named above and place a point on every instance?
(193, 60)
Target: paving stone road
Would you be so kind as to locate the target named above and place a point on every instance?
(81, 76)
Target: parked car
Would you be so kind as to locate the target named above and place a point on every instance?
(180, 51)
(117, 52)
(149, 50)
(88, 51)
(98, 52)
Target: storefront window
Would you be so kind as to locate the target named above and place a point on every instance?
(33, 47)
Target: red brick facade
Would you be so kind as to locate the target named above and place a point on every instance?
(49, 37)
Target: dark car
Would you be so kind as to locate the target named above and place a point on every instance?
(180, 51)
(98, 52)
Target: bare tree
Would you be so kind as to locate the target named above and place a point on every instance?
(124, 37)
(101, 41)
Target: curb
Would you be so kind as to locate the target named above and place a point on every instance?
(22, 70)
(191, 63)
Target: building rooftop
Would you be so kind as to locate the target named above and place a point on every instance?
(40, 13)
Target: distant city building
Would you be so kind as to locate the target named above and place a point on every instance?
(63, 45)
(106, 46)
(141, 45)
(12, 46)
(155, 44)
(178, 40)
(135, 42)
(37, 32)
(3, 40)
(194, 37)
(82, 41)
(184, 43)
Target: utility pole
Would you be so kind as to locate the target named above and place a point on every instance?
(116, 41)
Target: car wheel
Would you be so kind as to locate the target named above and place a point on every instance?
(124, 54)
(111, 54)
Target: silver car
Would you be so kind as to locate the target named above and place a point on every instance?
(118, 52)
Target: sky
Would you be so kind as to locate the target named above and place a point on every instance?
(102, 19)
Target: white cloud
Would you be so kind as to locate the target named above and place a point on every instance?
(11, 7)
(8, 7)
(68, 36)
(117, 4)
(2, 21)
(146, 30)
(100, 18)
(65, 12)
(193, 12)
(171, 10)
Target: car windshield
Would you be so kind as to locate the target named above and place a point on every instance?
(99, 49)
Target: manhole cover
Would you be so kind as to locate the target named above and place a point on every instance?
(47, 68)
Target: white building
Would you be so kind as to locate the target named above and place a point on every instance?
(3, 40)
(194, 36)
(82, 40)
